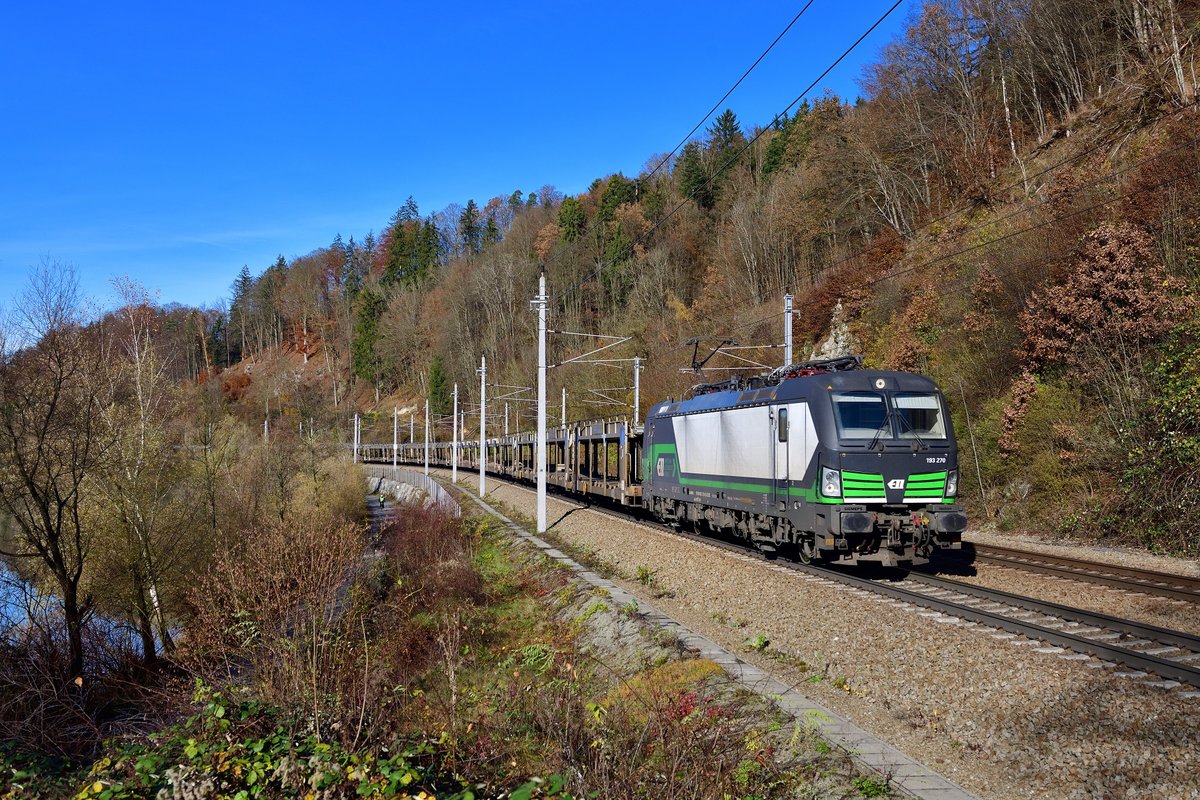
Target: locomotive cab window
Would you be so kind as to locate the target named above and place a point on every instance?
(783, 425)
(860, 415)
(919, 415)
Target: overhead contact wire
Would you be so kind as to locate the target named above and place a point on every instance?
(734, 158)
(982, 226)
(1014, 269)
(666, 159)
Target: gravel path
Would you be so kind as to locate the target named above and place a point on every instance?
(999, 720)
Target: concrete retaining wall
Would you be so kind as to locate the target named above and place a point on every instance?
(406, 485)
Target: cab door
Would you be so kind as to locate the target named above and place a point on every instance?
(781, 442)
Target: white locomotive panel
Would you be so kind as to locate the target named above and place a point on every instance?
(743, 442)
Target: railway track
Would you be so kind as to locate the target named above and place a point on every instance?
(1146, 650)
(1167, 659)
(1162, 584)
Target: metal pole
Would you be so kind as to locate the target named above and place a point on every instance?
(540, 456)
(412, 428)
(395, 437)
(266, 430)
(356, 438)
(454, 443)
(787, 329)
(506, 418)
(482, 425)
(564, 408)
(637, 389)
(426, 437)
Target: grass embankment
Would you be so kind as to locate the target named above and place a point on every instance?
(454, 664)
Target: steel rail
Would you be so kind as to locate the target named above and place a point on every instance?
(1163, 584)
(1144, 662)
(1129, 627)
(1138, 661)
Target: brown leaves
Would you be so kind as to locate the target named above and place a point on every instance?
(547, 237)
(1024, 391)
(1118, 292)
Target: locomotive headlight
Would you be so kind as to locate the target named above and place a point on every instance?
(952, 483)
(831, 482)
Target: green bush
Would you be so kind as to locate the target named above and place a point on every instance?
(1160, 478)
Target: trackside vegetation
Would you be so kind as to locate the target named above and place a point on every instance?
(450, 663)
(1009, 207)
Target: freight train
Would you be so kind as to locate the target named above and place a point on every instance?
(818, 461)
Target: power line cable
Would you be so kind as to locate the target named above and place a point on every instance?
(1038, 226)
(880, 242)
(773, 287)
(1005, 189)
(1024, 181)
(1012, 269)
(731, 160)
(1012, 234)
(725, 97)
(666, 159)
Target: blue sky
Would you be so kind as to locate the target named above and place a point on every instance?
(174, 143)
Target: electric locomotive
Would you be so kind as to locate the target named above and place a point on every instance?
(822, 460)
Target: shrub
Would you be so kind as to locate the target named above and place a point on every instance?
(274, 612)
(1161, 481)
(246, 749)
(1118, 294)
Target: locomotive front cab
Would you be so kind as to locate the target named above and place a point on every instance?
(886, 469)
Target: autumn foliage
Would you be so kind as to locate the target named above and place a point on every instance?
(1118, 295)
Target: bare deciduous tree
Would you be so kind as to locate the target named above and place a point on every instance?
(50, 440)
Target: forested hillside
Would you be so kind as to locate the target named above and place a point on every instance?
(1012, 207)
(1009, 207)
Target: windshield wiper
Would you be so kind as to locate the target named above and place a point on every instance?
(885, 425)
(916, 436)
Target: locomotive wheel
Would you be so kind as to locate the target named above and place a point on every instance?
(807, 548)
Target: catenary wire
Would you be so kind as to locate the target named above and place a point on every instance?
(1068, 215)
(880, 242)
(732, 159)
(778, 285)
(666, 159)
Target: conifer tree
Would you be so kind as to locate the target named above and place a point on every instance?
(619, 190)
(439, 388)
(470, 229)
(243, 289)
(430, 246)
(571, 219)
(692, 178)
(725, 136)
(353, 270)
(408, 212)
(365, 361)
(491, 231)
